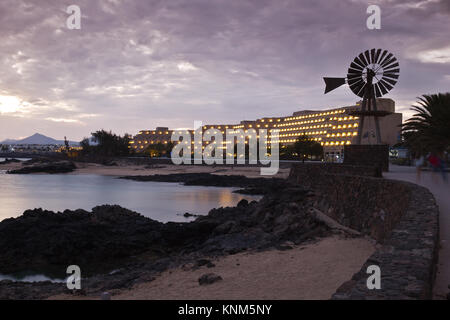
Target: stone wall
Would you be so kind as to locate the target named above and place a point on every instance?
(372, 206)
(369, 155)
(310, 171)
(401, 216)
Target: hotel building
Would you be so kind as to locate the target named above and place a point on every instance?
(332, 128)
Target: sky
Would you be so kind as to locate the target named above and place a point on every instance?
(138, 64)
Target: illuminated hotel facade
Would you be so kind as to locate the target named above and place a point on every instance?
(332, 128)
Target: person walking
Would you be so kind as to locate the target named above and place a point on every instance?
(441, 167)
(419, 164)
(434, 162)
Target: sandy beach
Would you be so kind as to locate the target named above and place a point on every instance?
(130, 170)
(126, 169)
(311, 271)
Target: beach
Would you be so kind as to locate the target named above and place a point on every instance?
(310, 271)
(125, 168)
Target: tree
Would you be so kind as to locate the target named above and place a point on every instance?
(429, 129)
(159, 149)
(108, 144)
(85, 145)
(306, 147)
(287, 152)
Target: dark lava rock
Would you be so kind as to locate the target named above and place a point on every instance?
(284, 247)
(12, 290)
(252, 191)
(189, 215)
(204, 262)
(42, 240)
(251, 185)
(209, 278)
(39, 159)
(114, 238)
(242, 203)
(46, 167)
(109, 163)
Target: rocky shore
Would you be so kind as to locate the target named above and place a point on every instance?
(248, 185)
(117, 248)
(44, 166)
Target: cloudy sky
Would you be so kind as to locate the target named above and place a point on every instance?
(136, 64)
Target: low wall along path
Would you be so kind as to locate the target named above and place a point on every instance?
(402, 217)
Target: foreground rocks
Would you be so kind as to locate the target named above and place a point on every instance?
(116, 248)
(209, 278)
(45, 241)
(45, 167)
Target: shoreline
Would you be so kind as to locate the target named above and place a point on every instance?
(290, 217)
(144, 247)
(124, 168)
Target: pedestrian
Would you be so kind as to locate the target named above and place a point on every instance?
(434, 162)
(441, 167)
(419, 163)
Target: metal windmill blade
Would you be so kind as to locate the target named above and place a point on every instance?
(376, 70)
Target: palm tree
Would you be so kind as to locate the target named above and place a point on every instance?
(429, 129)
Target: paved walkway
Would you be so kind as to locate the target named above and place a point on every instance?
(441, 192)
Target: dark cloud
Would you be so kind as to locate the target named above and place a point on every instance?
(138, 64)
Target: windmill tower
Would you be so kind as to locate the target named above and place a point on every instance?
(371, 75)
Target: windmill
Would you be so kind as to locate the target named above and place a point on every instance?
(371, 75)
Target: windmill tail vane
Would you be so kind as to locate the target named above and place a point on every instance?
(333, 83)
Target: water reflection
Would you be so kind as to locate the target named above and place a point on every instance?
(157, 200)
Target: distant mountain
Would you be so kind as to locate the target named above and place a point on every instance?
(37, 138)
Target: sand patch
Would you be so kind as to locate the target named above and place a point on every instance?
(312, 271)
(132, 170)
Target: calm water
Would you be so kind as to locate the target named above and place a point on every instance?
(157, 200)
(21, 159)
(29, 278)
